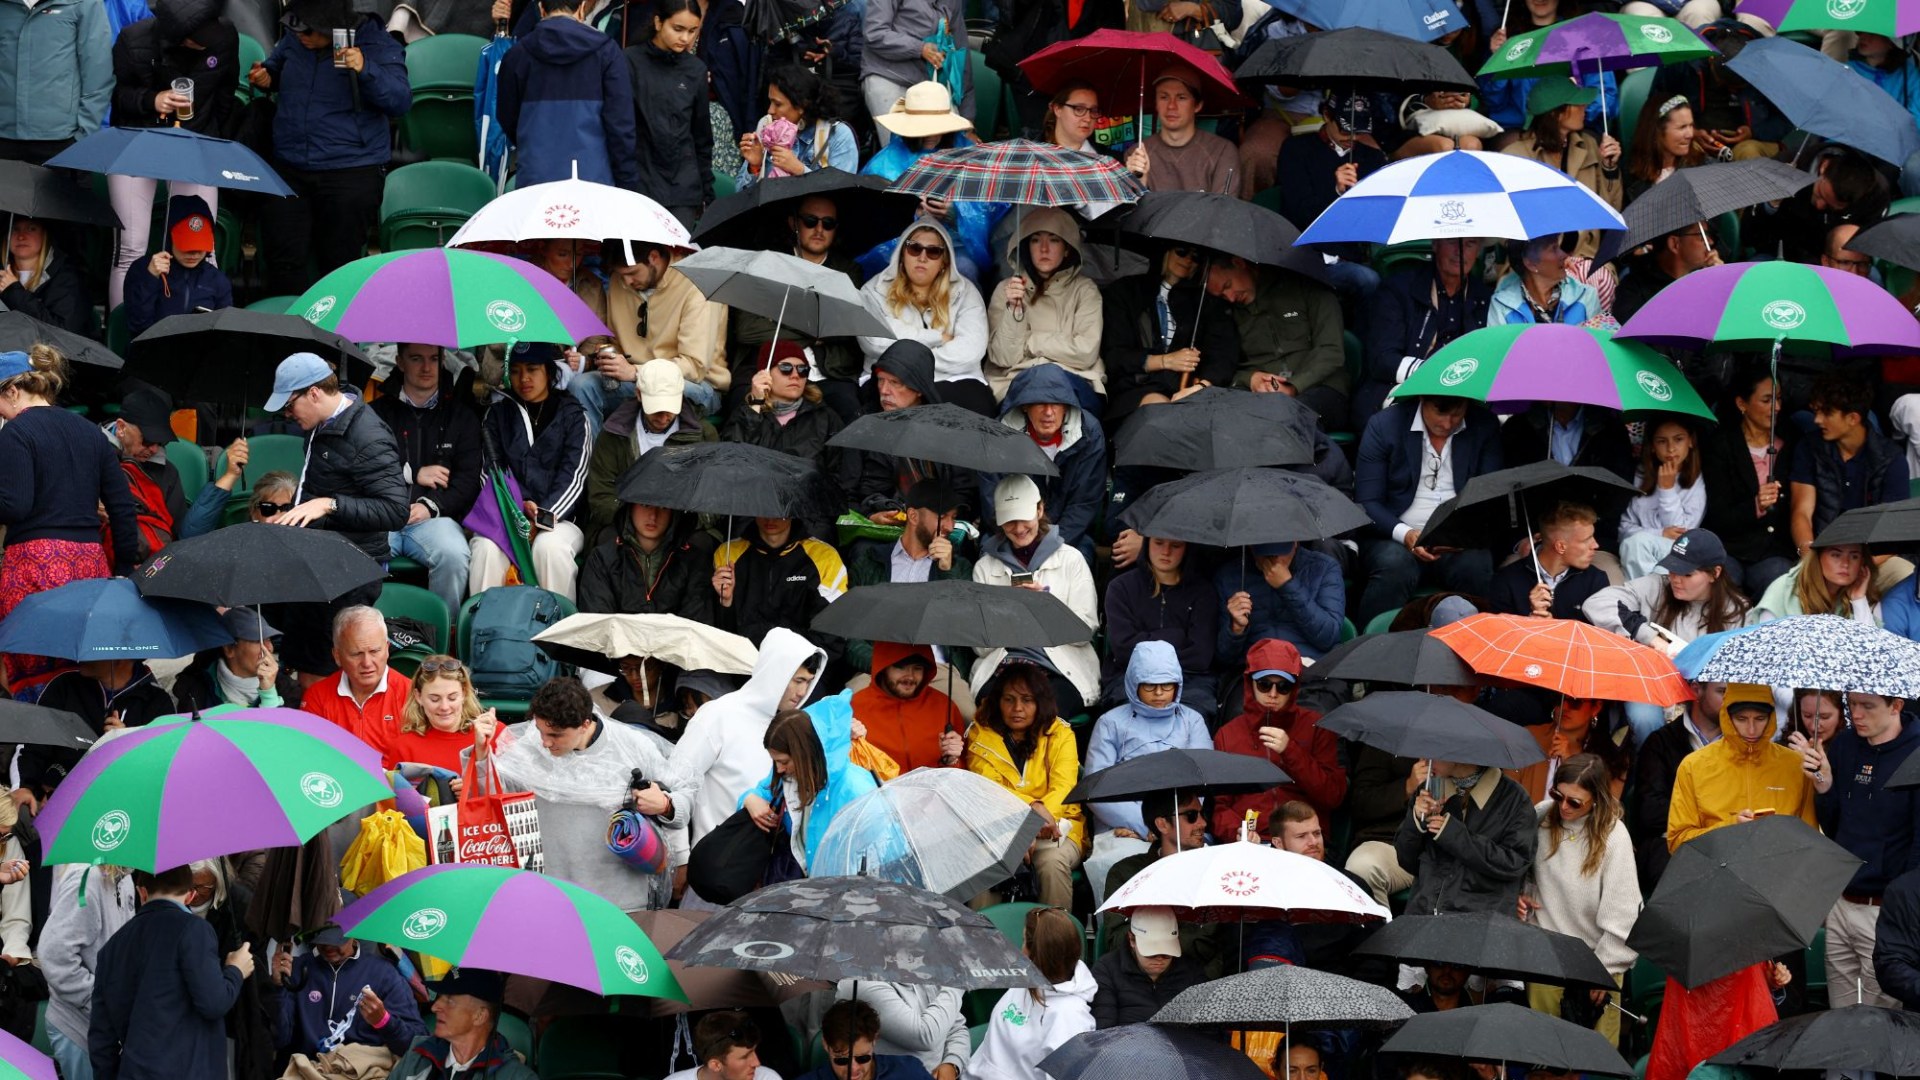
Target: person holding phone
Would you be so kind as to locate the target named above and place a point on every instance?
(1743, 776)
(540, 435)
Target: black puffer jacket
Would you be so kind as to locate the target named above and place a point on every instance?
(616, 580)
(447, 434)
(880, 481)
(1127, 996)
(149, 55)
(353, 458)
(804, 436)
(57, 299)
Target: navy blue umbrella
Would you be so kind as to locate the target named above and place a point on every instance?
(1828, 98)
(1421, 20)
(169, 153)
(108, 619)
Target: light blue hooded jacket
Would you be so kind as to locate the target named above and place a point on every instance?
(1128, 731)
(833, 723)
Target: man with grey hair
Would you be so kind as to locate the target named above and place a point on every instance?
(366, 696)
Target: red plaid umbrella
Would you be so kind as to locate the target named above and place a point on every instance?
(1118, 63)
(1021, 172)
(1566, 656)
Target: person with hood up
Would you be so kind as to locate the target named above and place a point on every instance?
(777, 575)
(674, 134)
(1277, 727)
(813, 775)
(1018, 740)
(1742, 776)
(922, 296)
(39, 281)
(906, 715)
(659, 414)
(1026, 1025)
(786, 412)
(1153, 719)
(185, 39)
(343, 992)
(923, 121)
(540, 435)
(902, 379)
(1028, 553)
(653, 561)
(1161, 599)
(566, 102)
(1470, 849)
(1048, 312)
(182, 279)
(1046, 402)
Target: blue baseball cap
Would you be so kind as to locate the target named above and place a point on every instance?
(296, 373)
(14, 363)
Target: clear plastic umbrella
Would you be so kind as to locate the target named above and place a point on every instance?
(949, 831)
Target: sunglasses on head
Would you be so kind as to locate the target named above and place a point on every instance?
(1272, 684)
(793, 367)
(815, 221)
(924, 251)
(449, 666)
(844, 1060)
(1571, 802)
(275, 509)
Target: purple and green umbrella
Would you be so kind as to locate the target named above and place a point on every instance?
(448, 297)
(1553, 362)
(20, 1061)
(1891, 18)
(516, 921)
(1759, 305)
(233, 780)
(1593, 43)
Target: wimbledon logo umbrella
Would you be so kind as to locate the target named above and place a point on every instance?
(20, 1061)
(1552, 362)
(448, 297)
(516, 921)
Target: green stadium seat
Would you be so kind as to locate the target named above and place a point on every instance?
(1908, 205)
(227, 230)
(723, 184)
(1347, 631)
(192, 463)
(519, 1036)
(1634, 88)
(1267, 199)
(117, 336)
(1379, 623)
(1388, 258)
(424, 204)
(265, 454)
(444, 62)
(581, 1048)
(988, 95)
(441, 70)
(413, 602)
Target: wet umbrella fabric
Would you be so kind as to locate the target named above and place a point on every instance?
(1888, 526)
(20, 332)
(599, 642)
(1460, 194)
(173, 353)
(1419, 20)
(1218, 428)
(1809, 310)
(949, 831)
(1240, 507)
(1855, 1038)
(1223, 223)
(108, 619)
(948, 435)
(1356, 58)
(1199, 771)
(1509, 1033)
(45, 195)
(866, 211)
(1286, 997)
(796, 294)
(37, 725)
(1705, 192)
(252, 563)
(172, 153)
(1566, 656)
(1148, 1052)
(1405, 657)
(1492, 943)
(1239, 881)
(1821, 652)
(1828, 98)
(730, 479)
(1895, 239)
(956, 613)
(1405, 723)
(1495, 508)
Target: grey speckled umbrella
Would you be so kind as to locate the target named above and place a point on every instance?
(1148, 1052)
(1286, 997)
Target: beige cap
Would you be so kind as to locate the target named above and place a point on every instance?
(1017, 498)
(1155, 931)
(926, 109)
(660, 386)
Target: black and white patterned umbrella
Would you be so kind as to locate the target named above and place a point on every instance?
(1286, 997)
(1823, 652)
(1147, 1052)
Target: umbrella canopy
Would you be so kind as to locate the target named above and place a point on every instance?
(37, 725)
(178, 790)
(1198, 771)
(1567, 656)
(1406, 657)
(1219, 223)
(809, 299)
(1493, 943)
(1890, 18)
(448, 297)
(1459, 194)
(108, 619)
(40, 193)
(1218, 428)
(948, 831)
(1594, 42)
(1805, 309)
(1359, 58)
(251, 563)
(1506, 1033)
(1420, 20)
(859, 928)
(949, 435)
(598, 642)
(1288, 998)
(1020, 171)
(20, 1061)
(1705, 192)
(1146, 1052)
(1739, 895)
(1496, 507)
(1896, 240)
(171, 153)
(954, 613)
(515, 921)
(1406, 723)
(574, 208)
(734, 479)
(172, 353)
(1239, 507)
(1118, 63)
(1828, 98)
(1690, 659)
(1855, 1038)
(865, 211)
(20, 332)
(1887, 526)
(1822, 652)
(1518, 365)
(1235, 881)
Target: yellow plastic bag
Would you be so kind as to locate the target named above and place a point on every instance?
(874, 760)
(385, 849)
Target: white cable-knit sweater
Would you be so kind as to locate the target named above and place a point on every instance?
(1598, 910)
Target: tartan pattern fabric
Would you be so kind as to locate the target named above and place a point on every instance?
(1020, 171)
(1566, 656)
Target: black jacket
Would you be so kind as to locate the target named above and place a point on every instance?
(353, 459)
(1527, 438)
(1654, 769)
(1896, 940)
(880, 481)
(781, 588)
(613, 580)
(804, 436)
(1480, 860)
(1401, 321)
(1512, 584)
(148, 56)
(448, 433)
(42, 767)
(1726, 468)
(58, 299)
(1130, 313)
(161, 998)
(1126, 996)
(550, 465)
(675, 134)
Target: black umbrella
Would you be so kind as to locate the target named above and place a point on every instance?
(254, 563)
(962, 613)
(1357, 59)
(1409, 724)
(771, 20)
(1896, 239)
(867, 213)
(1218, 428)
(1211, 771)
(1860, 1038)
(1239, 507)
(731, 479)
(173, 354)
(1495, 509)
(1509, 1033)
(837, 928)
(20, 332)
(42, 193)
(1705, 192)
(947, 434)
(37, 725)
(1408, 657)
(1739, 895)
(1493, 943)
(1889, 526)
(1223, 223)
(1286, 998)
(1148, 1052)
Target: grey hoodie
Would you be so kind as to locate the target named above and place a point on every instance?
(70, 943)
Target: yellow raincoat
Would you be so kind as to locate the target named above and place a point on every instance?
(1716, 782)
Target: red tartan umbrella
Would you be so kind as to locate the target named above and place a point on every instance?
(1118, 63)
(1021, 172)
(1566, 656)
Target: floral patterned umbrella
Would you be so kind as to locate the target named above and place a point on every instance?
(1286, 997)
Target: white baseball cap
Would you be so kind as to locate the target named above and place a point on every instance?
(661, 387)
(1155, 931)
(1016, 499)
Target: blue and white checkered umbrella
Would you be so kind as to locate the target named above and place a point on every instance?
(1821, 652)
(1459, 194)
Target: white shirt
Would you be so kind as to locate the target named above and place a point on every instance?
(1434, 485)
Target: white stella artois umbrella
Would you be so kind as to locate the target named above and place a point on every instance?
(1246, 881)
(573, 209)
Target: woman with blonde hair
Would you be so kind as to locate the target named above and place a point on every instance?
(1583, 883)
(436, 723)
(1838, 579)
(1026, 1024)
(922, 296)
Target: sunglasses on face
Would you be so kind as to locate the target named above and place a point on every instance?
(1273, 685)
(274, 509)
(1187, 252)
(793, 368)
(924, 251)
(814, 221)
(1571, 802)
(1191, 817)
(844, 1060)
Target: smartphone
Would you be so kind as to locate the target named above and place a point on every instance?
(545, 519)
(1023, 578)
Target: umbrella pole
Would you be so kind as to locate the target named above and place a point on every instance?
(1773, 414)
(1533, 551)
(1020, 309)
(777, 320)
(1600, 78)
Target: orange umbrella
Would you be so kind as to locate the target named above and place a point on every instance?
(1566, 656)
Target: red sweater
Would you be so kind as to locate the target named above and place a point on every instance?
(1311, 759)
(376, 722)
